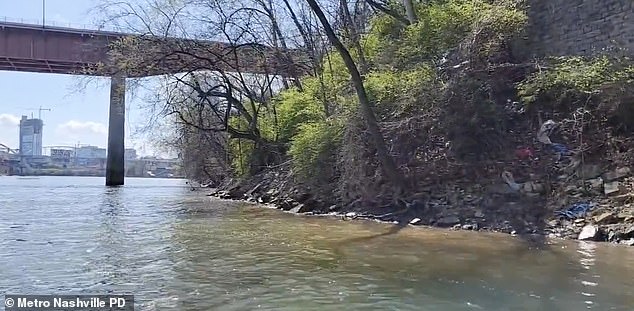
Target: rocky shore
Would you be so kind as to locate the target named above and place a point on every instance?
(600, 208)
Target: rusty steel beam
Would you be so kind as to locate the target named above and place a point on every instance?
(34, 48)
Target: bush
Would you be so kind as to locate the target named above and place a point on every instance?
(566, 80)
(603, 84)
(295, 108)
(441, 27)
(313, 150)
(398, 93)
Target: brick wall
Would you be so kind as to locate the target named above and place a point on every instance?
(579, 27)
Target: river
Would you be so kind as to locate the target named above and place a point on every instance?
(175, 249)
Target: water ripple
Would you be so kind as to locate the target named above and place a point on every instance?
(180, 250)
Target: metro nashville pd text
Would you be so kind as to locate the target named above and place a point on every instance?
(94, 302)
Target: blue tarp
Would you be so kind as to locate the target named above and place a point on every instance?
(575, 211)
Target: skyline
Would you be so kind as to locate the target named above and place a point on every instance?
(79, 113)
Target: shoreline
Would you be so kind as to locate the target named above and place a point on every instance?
(352, 216)
(607, 218)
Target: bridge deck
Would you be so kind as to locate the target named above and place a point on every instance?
(37, 48)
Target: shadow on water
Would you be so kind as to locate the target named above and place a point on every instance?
(109, 255)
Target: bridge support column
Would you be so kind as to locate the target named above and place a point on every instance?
(115, 165)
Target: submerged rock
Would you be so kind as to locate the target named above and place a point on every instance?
(629, 242)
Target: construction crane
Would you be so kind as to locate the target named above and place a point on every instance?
(39, 112)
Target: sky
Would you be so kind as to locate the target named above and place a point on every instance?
(78, 115)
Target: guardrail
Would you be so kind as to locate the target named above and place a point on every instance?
(57, 24)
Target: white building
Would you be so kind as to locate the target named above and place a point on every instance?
(90, 152)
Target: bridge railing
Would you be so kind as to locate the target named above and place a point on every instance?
(56, 24)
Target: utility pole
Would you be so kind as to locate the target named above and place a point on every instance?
(43, 13)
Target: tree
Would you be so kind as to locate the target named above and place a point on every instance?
(208, 74)
(387, 163)
(383, 7)
(410, 11)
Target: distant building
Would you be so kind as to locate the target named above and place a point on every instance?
(61, 156)
(130, 154)
(31, 137)
(90, 152)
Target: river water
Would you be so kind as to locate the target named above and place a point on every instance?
(179, 250)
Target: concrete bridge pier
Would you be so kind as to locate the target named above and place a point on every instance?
(115, 164)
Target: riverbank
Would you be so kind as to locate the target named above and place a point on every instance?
(590, 209)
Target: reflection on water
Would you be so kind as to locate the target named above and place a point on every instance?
(178, 250)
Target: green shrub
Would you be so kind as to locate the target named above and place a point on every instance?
(441, 27)
(567, 80)
(398, 92)
(314, 148)
(295, 108)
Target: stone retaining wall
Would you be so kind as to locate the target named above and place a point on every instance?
(578, 27)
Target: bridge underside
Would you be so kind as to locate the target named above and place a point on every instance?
(41, 65)
(34, 48)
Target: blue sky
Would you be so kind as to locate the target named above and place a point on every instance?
(76, 116)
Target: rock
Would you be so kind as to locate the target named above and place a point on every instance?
(333, 208)
(590, 171)
(571, 189)
(301, 208)
(448, 221)
(288, 204)
(532, 187)
(611, 236)
(479, 214)
(617, 174)
(351, 215)
(553, 223)
(626, 215)
(596, 183)
(414, 221)
(605, 218)
(629, 242)
(589, 232)
(580, 221)
(250, 192)
(611, 188)
(629, 232)
(470, 227)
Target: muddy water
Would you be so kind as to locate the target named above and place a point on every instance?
(180, 250)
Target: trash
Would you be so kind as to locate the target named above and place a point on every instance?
(510, 181)
(560, 149)
(575, 211)
(545, 131)
(524, 153)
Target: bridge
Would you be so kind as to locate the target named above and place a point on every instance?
(59, 50)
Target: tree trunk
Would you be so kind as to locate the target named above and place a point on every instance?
(354, 36)
(411, 12)
(387, 163)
